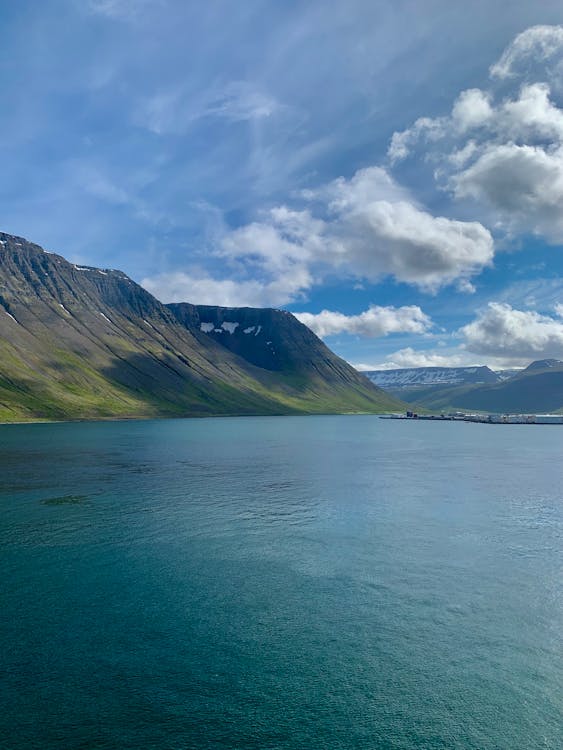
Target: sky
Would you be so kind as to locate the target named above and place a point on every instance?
(390, 172)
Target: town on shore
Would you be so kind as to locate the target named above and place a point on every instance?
(481, 418)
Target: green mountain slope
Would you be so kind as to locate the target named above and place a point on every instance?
(81, 342)
(285, 356)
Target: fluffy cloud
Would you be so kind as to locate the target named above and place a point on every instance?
(518, 170)
(538, 43)
(410, 357)
(505, 155)
(202, 289)
(425, 128)
(366, 227)
(284, 239)
(530, 116)
(373, 323)
(524, 184)
(472, 109)
(501, 331)
(401, 240)
(500, 336)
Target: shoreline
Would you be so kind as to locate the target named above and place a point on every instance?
(513, 419)
(98, 420)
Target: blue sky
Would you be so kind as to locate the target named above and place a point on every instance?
(390, 171)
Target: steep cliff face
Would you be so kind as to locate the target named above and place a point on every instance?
(286, 355)
(79, 342)
(83, 342)
(273, 340)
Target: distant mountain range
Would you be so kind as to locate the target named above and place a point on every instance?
(537, 388)
(422, 376)
(78, 342)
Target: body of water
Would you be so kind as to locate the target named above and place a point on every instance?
(281, 583)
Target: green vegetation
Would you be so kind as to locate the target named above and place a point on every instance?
(90, 345)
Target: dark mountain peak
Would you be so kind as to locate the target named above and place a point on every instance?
(543, 364)
(29, 274)
(270, 339)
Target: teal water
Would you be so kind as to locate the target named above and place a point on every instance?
(283, 583)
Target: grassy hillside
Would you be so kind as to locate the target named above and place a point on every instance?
(85, 343)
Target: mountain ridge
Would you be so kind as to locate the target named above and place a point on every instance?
(535, 389)
(418, 376)
(80, 342)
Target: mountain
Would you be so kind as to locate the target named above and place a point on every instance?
(536, 389)
(544, 364)
(83, 342)
(412, 377)
(507, 374)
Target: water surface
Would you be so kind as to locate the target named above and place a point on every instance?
(283, 583)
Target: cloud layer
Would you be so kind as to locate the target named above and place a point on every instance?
(522, 335)
(364, 228)
(503, 153)
(499, 335)
(534, 45)
(375, 322)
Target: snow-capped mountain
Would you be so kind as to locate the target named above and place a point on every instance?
(426, 376)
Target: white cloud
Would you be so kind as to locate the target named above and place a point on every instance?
(173, 111)
(529, 117)
(202, 289)
(375, 322)
(410, 357)
(466, 287)
(401, 240)
(366, 187)
(364, 228)
(523, 184)
(461, 156)
(500, 337)
(425, 128)
(521, 335)
(472, 109)
(98, 185)
(284, 238)
(538, 43)
(451, 357)
(507, 156)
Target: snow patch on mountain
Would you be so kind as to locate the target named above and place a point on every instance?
(230, 327)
